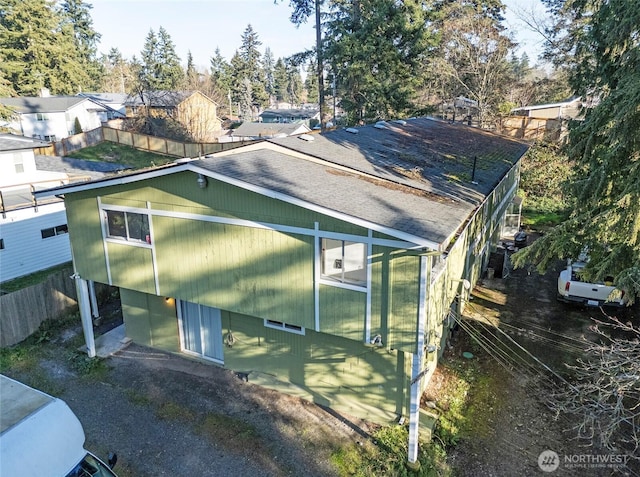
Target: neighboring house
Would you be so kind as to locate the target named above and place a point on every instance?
(195, 111)
(251, 131)
(289, 115)
(33, 233)
(330, 266)
(570, 109)
(113, 104)
(52, 118)
(547, 122)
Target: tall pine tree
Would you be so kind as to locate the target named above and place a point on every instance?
(605, 145)
(38, 49)
(78, 14)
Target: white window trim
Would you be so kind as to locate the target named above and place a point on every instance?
(350, 285)
(125, 240)
(279, 325)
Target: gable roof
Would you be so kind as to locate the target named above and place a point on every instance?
(161, 99)
(48, 104)
(410, 180)
(13, 142)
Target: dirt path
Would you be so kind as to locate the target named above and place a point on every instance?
(517, 427)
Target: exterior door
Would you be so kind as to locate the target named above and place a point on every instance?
(201, 328)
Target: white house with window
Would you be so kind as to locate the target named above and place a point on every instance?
(33, 233)
(52, 118)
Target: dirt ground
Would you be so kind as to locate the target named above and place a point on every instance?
(518, 426)
(167, 415)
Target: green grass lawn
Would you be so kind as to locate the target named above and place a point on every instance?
(120, 154)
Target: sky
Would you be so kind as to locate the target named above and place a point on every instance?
(201, 26)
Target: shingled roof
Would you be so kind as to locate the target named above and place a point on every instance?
(48, 104)
(412, 179)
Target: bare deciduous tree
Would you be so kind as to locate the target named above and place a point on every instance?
(603, 401)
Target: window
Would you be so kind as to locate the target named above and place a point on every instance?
(1, 244)
(42, 117)
(51, 138)
(128, 226)
(18, 164)
(53, 231)
(344, 261)
(279, 325)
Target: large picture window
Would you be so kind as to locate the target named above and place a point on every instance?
(344, 261)
(128, 226)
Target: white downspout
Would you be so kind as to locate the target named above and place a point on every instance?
(416, 365)
(84, 304)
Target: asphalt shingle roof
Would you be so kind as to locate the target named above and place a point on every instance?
(413, 177)
(50, 104)
(13, 142)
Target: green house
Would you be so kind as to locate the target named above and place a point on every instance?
(324, 265)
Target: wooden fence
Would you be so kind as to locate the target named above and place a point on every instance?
(22, 311)
(158, 145)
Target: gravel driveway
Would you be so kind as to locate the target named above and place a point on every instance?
(165, 415)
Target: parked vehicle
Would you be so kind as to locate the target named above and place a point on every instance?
(40, 435)
(572, 289)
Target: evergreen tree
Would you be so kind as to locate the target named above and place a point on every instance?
(192, 77)
(6, 91)
(77, 14)
(605, 145)
(220, 79)
(268, 65)
(251, 68)
(280, 80)
(294, 84)
(172, 73)
(160, 65)
(377, 50)
(38, 49)
(311, 82)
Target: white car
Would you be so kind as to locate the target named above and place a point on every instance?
(572, 289)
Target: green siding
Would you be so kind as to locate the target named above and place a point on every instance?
(379, 292)
(344, 374)
(246, 270)
(342, 312)
(85, 234)
(131, 267)
(403, 302)
(150, 320)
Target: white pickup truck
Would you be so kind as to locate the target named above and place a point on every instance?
(572, 289)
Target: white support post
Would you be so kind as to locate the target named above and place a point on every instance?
(84, 304)
(416, 365)
(94, 302)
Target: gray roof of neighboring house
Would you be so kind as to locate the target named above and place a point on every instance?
(161, 99)
(265, 130)
(290, 113)
(412, 177)
(13, 142)
(48, 104)
(80, 167)
(118, 98)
